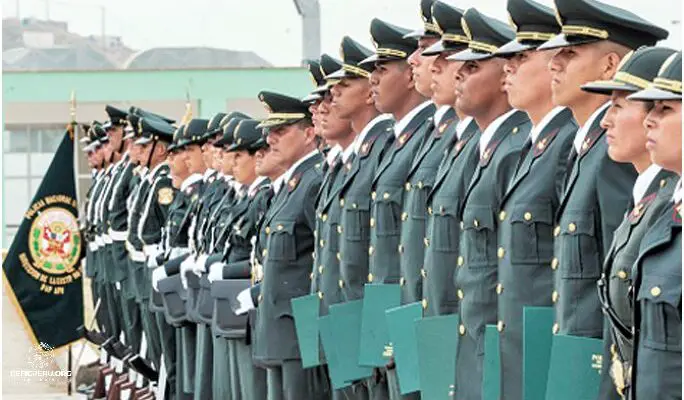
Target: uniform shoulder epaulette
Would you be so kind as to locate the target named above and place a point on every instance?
(293, 182)
(367, 145)
(590, 139)
(443, 126)
(544, 143)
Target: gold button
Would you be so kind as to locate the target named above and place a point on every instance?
(655, 291)
(556, 328)
(423, 272)
(622, 274)
(280, 227)
(321, 243)
(264, 252)
(320, 295)
(556, 231)
(372, 222)
(501, 252)
(499, 288)
(500, 326)
(260, 298)
(339, 257)
(386, 196)
(429, 210)
(461, 261)
(527, 216)
(462, 225)
(460, 294)
(404, 216)
(515, 130)
(554, 296)
(427, 242)
(407, 186)
(402, 281)
(663, 182)
(461, 329)
(324, 217)
(476, 223)
(400, 249)
(339, 229)
(340, 283)
(268, 230)
(355, 206)
(554, 263)
(420, 184)
(373, 195)
(311, 276)
(502, 215)
(370, 277)
(320, 269)
(371, 250)
(442, 210)
(424, 303)
(572, 227)
(341, 202)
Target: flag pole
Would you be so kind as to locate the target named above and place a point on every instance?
(72, 132)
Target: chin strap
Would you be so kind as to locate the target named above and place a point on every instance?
(149, 158)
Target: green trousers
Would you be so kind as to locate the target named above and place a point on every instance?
(251, 379)
(221, 382)
(203, 363)
(292, 382)
(132, 322)
(169, 352)
(187, 343)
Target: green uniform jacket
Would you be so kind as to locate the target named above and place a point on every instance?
(476, 277)
(443, 231)
(658, 309)
(355, 215)
(287, 232)
(616, 279)
(419, 182)
(526, 236)
(387, 198)
(596, 196)
(91, 265)
(117, 223)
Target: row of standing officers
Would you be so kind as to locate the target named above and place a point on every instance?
(482, 167)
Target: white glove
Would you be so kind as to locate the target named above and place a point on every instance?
(216, 271)
(185, 267)
(158, 274)
(246, 303)
(152, 262)
(200, 266)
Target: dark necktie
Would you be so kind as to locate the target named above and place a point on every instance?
(572, 158)
(523, 153)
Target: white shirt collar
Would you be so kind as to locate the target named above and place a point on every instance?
(278, 183)
(462, 125)
(332, 153)
(190, 180)
(208, 173)
(346, 153)
(288, 174)
(253, 187)
(677, 196)
(154, 170)
(488, 134)
(439, 114)
(228, 178)
(582, 132)
(403, 123)
(643, 181)
(537, 129)
(362, 136)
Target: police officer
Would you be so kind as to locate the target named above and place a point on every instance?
(592, 42)
(656, 274)
(288, 243)
(530, 200)
(482, 95)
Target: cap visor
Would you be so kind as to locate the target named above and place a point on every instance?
(562, 40)
(417, 34)
(143, 141)
(607, 87)
(436, 48)
(511, 48)
(339, 74)
(311, 98)
(652, 94)
(469, 55)
(368, 60)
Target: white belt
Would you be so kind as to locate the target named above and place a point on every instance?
(129, 246)
(151, 250)
(118, 236)
(99, 241)
(137, 256)
(106, 239)
(179, 251)
(93, 246)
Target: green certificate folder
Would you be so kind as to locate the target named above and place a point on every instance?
(377, 298)
(305, 311)
(437, 339)
(537, 336)
(575, 368)
(327, 328)
(401, 324)
(491, 378)
(345, 320)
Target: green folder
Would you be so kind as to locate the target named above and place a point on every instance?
(327, 328)
(377, 298)
(575, 368)
(491, 378)
(345, 318)
(305, 311)
(401, 324)
(537, 336)
(437, 339)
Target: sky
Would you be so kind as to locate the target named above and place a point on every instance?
(270, 28)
